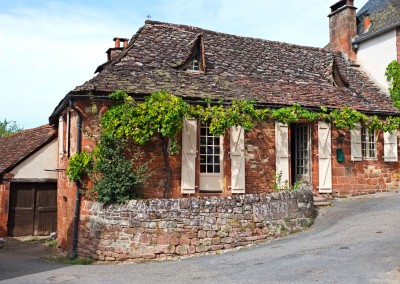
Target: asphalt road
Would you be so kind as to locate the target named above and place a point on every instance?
(355, 241)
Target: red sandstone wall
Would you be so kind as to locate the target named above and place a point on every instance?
(398, 43)
(4, 207)
(368, 176)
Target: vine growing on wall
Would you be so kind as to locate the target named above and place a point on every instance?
(159, 118)
(393, 76)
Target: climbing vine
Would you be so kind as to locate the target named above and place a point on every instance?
(393, 76)
(159, 118)
(79, 165)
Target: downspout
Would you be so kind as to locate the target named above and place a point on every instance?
(78, 185)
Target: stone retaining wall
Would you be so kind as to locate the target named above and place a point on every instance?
(163, 228)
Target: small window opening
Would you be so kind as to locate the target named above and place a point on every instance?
(210, 151)
(368, 143)
(194, 65)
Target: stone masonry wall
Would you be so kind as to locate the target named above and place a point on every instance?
(163, 228)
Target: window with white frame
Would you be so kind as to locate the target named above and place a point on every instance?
(368, 143)
(194, 65)
(210, 151)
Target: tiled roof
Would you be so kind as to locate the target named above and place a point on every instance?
(269, 72)
(384, 14)
(18, 146)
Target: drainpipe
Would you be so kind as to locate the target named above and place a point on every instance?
(78, 185)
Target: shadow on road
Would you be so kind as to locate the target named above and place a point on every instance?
(27, 255)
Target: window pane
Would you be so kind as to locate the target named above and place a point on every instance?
(209, 159)
(216, 140)
(202, 150)
(202, 168)
(216, 159)
(203, 140)
(216, 169)
(202, 159)
(203, 131)
(216, 150)
(209, 168)
(210, 150)
(210, 140)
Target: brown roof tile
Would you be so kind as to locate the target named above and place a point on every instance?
(18, 146)
(269, 72)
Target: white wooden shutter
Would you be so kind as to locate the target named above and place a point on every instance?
(390, 146)
(60, 135)
(237, 160)
(189, 150)
(282, 153)
(355, 141)
(324, 157)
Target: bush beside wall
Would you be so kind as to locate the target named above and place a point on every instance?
(163, 228)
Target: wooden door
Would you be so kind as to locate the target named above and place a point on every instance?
(45, 209)
(22, 209)
(33, 209)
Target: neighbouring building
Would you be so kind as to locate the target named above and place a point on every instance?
(197, 64)
(28, 182)
(370, 37)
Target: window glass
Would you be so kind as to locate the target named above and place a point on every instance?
(368, 143)
(209, 151)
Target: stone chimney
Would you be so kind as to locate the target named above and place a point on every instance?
(117, 49)
(343, 27)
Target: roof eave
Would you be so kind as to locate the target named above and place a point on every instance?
(374, 34)
(20, 160)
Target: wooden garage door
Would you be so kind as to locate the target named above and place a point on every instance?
(33, 209)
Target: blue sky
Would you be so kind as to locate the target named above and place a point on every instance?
(49, 47)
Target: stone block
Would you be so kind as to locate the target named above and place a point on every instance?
(184, 240)
(182, 250)
(202, 248)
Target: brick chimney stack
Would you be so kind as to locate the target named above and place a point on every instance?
(367, 22)
(117, 49)
(343, 27)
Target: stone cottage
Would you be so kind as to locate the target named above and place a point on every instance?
(196, 64)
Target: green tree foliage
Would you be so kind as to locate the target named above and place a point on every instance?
(79, 165)
(118, 174)
(160, 116)
(8, 127)
(393, 76)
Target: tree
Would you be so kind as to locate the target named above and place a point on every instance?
(393, 76)
(8, 127)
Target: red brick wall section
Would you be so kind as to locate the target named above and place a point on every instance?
(4, 207)
(67, 190)
(398, 43)
(367, 176)
(260, 158)
(342, 28)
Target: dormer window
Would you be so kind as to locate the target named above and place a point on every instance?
(194, 60)
(337, 79)
(194, 66)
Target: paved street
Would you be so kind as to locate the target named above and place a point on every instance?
(355, 241)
